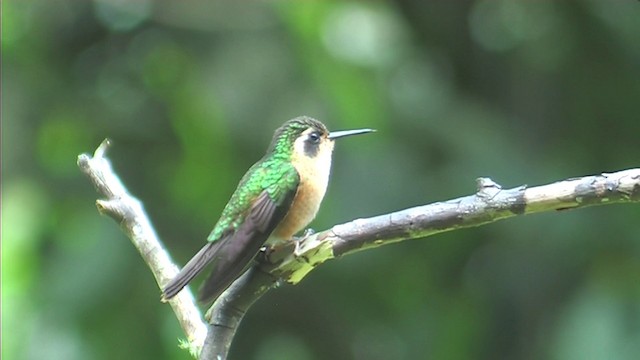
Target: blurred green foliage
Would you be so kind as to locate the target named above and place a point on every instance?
(522, 91)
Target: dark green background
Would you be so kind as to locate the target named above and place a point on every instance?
(190, 93)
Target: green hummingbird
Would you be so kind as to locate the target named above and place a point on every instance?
(276, 198)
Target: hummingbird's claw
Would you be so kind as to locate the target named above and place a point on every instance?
(296, 249)
(308, 232)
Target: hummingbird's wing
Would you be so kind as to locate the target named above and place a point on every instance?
(236, 246)
(236, 253)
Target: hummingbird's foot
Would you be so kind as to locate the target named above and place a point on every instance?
(308, 233)
(297, 251)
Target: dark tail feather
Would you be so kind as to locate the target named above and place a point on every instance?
(189, 271)
(223, 275)
(233, 258)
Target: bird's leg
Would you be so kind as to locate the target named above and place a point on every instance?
(298, 240)
(308, 232)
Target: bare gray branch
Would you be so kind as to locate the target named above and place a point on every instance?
(129, 212)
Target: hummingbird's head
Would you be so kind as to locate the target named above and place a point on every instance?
(305, 137)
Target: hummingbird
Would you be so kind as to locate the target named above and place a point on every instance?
(277, 197)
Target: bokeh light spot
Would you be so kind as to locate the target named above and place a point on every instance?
(122, 15)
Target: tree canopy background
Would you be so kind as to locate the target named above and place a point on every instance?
(190, 93)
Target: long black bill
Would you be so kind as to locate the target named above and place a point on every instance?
(338, 134)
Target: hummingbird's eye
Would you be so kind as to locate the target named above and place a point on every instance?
(314, 137)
